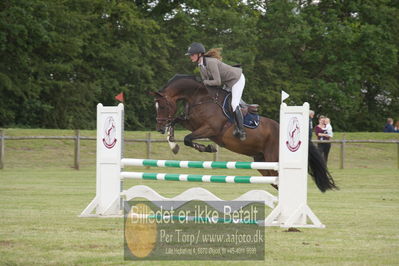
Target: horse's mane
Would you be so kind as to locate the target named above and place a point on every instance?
(202, 88)
(177, 77)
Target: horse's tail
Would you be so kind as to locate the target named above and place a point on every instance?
(318, 170)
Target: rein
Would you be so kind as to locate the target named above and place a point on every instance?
(214, 100)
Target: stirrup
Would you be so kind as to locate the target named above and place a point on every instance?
(241, 134)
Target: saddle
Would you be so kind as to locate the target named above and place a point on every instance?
(249, 108)
(245, 107)
(249, 112)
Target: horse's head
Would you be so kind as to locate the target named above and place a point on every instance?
(178, 87)
(165, 108)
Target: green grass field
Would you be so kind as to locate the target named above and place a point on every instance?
(41, 197)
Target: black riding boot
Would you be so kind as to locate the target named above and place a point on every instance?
(239, 131)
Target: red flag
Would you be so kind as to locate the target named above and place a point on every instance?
(119, 97)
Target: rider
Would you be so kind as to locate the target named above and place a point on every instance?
(216, 73)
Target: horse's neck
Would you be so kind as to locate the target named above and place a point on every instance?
(216, 92)
(192, 95)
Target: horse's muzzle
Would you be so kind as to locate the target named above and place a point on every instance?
(162, 124)
(161, 128)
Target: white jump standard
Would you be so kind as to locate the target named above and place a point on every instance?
(292, 209)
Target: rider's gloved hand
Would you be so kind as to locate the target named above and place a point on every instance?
(199, 79)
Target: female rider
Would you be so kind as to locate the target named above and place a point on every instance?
(216, 73)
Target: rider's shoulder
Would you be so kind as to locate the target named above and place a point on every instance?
(212, 60)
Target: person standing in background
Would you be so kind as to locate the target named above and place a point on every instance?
(396, 128)
(328, 127)
(389, 126)
(311, 115)
(321, 134)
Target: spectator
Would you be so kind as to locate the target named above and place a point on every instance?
(321, 134)
(389, 126)
(328, 127)
(311, 115)
(396, 128)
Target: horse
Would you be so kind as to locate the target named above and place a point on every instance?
(204, 117)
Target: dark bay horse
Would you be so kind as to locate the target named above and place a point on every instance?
(204, 117)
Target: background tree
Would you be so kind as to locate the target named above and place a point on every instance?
(60, 58)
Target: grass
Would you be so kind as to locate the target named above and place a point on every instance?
(41, 196)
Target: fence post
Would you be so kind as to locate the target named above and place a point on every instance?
(77, 149)
(148, 144)
(2, 149)
(216, 154)
(398, 153)
(342, 155)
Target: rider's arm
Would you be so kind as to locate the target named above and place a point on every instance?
(212, 68)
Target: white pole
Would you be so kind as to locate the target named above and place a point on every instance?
(292, 209)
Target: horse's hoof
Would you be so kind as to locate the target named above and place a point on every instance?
(210, 148)
(176, 149)
(198, 147)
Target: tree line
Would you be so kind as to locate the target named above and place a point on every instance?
(59, 58)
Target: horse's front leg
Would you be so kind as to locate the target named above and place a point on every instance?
(188, 141)
(171, 137)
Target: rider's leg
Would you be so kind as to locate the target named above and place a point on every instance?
(239, 131)
(237, 90)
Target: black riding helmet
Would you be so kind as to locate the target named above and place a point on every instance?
(196, 48)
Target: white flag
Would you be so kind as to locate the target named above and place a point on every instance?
(284, 96)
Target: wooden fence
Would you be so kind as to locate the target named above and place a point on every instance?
(77, 138)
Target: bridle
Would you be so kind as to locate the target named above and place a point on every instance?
(170, 117)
